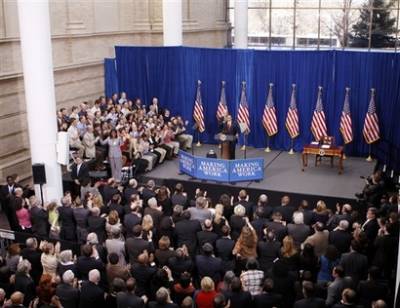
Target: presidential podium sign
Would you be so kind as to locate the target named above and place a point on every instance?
(221, 170)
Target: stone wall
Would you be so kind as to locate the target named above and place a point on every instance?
(84, 32)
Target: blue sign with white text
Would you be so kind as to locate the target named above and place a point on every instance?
(246, 169)
(187, 163)
(221, 170)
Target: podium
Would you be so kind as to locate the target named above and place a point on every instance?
(225, 141)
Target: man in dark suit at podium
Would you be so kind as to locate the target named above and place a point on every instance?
(230, 129)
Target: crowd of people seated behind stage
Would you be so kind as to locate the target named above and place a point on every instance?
(125, 132)
(148, 246)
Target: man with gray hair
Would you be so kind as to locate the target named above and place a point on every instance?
(154, 211)
(91, 294)
(298, 230)
(200, 212)
(340, 237)
(39, 218)
(67, 291)
(23, 281)
(33, 255)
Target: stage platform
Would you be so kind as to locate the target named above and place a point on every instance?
(283, 175)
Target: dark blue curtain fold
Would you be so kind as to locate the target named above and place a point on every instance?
(110, 77)
(171, 74)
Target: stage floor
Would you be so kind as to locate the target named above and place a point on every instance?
(282, 173)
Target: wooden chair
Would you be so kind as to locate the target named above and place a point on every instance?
(326, 140)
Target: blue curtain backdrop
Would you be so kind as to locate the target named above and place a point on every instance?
(110, 77)
(171, 74)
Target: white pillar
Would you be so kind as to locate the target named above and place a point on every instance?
(34, 27)
(172, 22)
(241, 23)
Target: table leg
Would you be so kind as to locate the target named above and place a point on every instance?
(305, 160)
(332, 161)
(341, 164)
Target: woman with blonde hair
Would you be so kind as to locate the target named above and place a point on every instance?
(205, 297)
(321, 213)
(49, 258)
(219, 219)
(113, 224)
(148, 226)
(289, 252)
(53, 221)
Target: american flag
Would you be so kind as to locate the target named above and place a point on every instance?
(243, 111)
(269, 120)
(222, 107)
(371, 123)
(292, 117)
(345, 120)
(318, 125)
(198, 112)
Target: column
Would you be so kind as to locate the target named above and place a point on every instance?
(241, 23)
(37, 60)
(172, 22)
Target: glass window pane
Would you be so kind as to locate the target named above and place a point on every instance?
(282, 27)
(307, 4)
(306, 28)
(358, 3)
(336, 4)
(383, 32)
(282, 3)
(258, 4)
(258, 27)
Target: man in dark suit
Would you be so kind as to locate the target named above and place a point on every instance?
(130, 190)
(230, 128)
(147, 191)
(136, 245)
(224, 247)
(267, 299)
(286, 209)
(206, 235)
(243, 199)
(340, 237)
(129, 298)
(6, 194)
(259, 222)
(80, 174)
(309, 301)
(354, 263)
(208, 265)
(278, 226)
(96, 224)
(143, 273)
(67, 220)
(370, 226)
(185, 232)
(86, 263)
(39, 218)
(372, 289)
(92, 296)
(66, 292)
(132, 219)
(33, 255)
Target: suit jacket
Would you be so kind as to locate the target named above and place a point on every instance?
(267, 252)
(131, 220)
(206, 237)
(279, 229)
(92, 296)
(68, 295)
(312, 302)
(334, 292)
(185, 233)
(34, 257)
(371, 290)
(320, 241)
(85, 264)
(371, 229)
(128, 192)
(259, 224)
(299, 232)
(233, 130)
(107, 192)
(83, 175)
(355, 265)
(68, 224)
(129, 300)
(135, 246)
(97, 224)
(224, 247)
(267, 300)
(248, 205)
(341, 240)
(286, 211)
(143, 275)
(40, 221)
(25, 284)
(209, 266)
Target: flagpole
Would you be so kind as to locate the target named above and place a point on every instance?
(344, 151)
(291, 152)
(244, 134)
(369, 158)
(268, 149)
(245, 150)
(198, 144)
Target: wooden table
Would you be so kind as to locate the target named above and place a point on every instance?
(332, 152)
